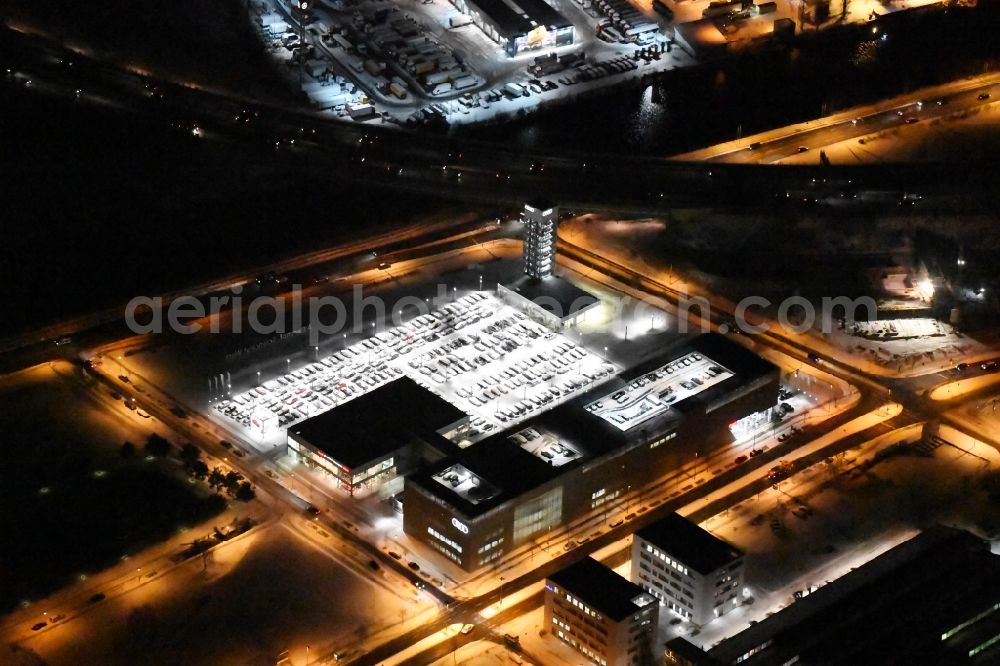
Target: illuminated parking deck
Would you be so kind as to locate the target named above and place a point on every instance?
(466, 484)
(652, 394)
(478, 353)
(546, 446)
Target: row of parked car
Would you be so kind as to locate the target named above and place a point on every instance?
(590, 72)
(483, 99)
(344, 374)
(524, 374)
(547, 395)
(443, 363)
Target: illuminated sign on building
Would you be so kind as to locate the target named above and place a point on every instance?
(460, 526)
(537, 38)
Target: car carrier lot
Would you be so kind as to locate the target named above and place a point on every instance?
(483, 356)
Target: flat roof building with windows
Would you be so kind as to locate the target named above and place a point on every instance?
(600, 614)
(693, 573)
(934, 599)
(552, 301)
(376, 436)
(519, 25)
(519, 484)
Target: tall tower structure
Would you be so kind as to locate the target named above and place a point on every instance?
(540, 221)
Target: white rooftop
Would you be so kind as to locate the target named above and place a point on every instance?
(466, 484)
(546, 446)
(481, 355)
(652, 394)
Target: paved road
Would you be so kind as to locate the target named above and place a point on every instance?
(498, 173)
(474, 170)
(468, 610)
(917, 107)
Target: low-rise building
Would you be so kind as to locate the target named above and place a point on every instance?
(552, 301)
(373, 438)
(934, 599)
(689, 570)
(600, 614)
(519, 25)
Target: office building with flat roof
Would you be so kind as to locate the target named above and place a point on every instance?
(934, 599)
(371, 439)
(601, 615)
(519, 484)
(689, 570)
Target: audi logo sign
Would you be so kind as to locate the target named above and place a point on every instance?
(461, 527)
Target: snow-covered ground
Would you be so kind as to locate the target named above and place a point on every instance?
(906, 344)
(489, 68)
(857, 508)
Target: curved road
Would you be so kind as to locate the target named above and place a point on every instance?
(468, 169)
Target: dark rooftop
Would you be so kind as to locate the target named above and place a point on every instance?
(601, 588)
(688, 543)
(560, 297)
(541, 203)
(377, 423)
(689, 653)
(515, 471)
(507, 21)
(511, 469)
(892, 610)
(545, 14)
(519, 17)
